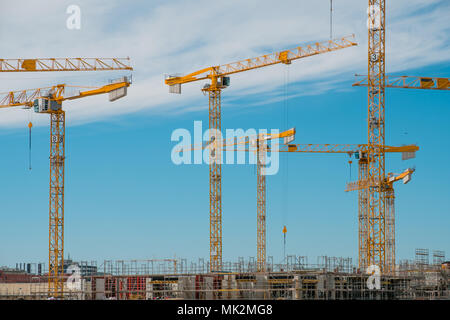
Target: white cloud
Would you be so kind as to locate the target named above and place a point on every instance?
(183, 36)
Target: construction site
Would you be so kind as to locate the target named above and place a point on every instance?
(378, 273)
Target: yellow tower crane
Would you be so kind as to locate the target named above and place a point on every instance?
(388, 189)
(219, 80)
(49, 100)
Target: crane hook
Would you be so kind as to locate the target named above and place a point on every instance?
(350, 166)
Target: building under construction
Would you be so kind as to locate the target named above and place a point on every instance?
(329, 278)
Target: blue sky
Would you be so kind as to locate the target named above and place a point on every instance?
(124, 197)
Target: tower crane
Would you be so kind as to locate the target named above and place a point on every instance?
(49, 101)
(258, 145)
(12, 99)
(388, 188)
(403, 82)
(219, 80)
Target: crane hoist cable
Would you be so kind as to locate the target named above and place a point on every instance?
(30, 125)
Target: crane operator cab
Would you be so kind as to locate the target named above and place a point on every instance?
(44, 105)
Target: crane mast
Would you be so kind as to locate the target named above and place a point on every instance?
(56, 203)
(374, 253)
(57, 142)
(261, 205)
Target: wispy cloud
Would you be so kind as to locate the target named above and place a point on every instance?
(165, 37)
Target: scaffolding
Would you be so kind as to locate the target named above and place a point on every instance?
(330, 278)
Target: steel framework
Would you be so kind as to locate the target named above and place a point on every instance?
(374, 253)
(56, 205)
